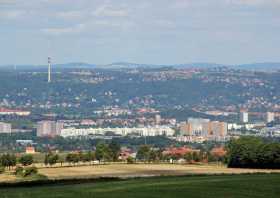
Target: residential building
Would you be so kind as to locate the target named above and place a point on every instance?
(5, 111)
(244, 117)
(158, 119)
(5, 127)
(204, 128)
(49, 128)
(269, 117)
(139, 131)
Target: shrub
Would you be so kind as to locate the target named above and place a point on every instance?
(130, 160)
(19, 170)
(29, 171)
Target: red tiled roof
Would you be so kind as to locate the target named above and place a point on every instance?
(10, 110)
(177, 151)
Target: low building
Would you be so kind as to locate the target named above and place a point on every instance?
(174, 151)
(30, 150)
(5, 111)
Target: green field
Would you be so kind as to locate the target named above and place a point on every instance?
(235, 186)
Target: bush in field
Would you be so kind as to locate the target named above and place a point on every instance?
(25, 172)
(28, 171)
(26, 160)
(19, 170)
(130, 160)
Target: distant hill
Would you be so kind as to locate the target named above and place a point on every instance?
(119, 65)
(260, 66)
(201, 65)
(122, 65)
(55, 66)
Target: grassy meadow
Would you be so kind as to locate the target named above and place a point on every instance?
(236, 186)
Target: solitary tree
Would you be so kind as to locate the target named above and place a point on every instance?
(51, 159)
(143, 152)
(115, 149)
(188, 157)
(103, 152)
(26, 160)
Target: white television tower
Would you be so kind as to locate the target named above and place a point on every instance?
(49, 69)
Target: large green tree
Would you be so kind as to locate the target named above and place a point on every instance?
(115, 149)
(251, 152)
(51, 159)
(26, 160)
(103, 152)
(143, 153)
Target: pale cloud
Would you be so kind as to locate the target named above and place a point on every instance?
(12, 14)
(254, 2)
(110, 11)
(179, 25)
(71, 15)
(64, 30)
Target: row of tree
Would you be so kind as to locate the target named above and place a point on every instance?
(10, 160)
(249, 152)
(147, 154)
(103, 152)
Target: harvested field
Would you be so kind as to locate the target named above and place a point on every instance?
(141, 170)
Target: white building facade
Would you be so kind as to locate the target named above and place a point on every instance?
(144, 131)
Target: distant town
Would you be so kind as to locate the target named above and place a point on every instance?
(106, 104)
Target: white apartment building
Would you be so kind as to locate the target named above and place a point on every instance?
(49, 128)
(244, 117)
(5, 127)
(269, 117)
(144, 131)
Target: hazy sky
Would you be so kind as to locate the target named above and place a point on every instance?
(142, 31)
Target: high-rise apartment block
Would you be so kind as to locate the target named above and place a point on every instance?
(204, 128)
(270, 117)
(49, 128)
(244, 117)
(158, 119)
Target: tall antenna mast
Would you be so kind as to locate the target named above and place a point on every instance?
(49, 69)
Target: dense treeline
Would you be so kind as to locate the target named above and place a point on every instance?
(8, 142)
(248, 152)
